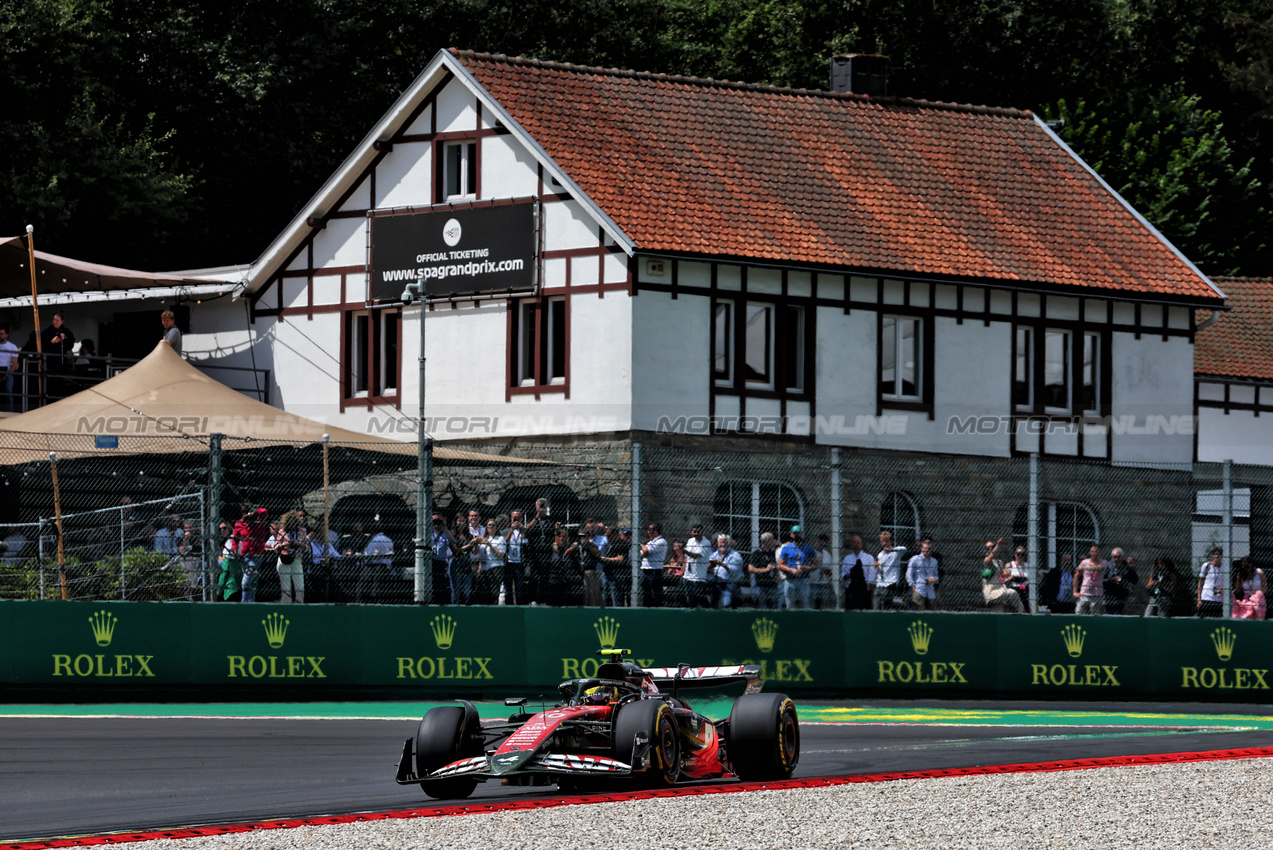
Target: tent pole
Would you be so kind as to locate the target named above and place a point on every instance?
(35, 310)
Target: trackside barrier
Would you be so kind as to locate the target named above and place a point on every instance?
(93, 651)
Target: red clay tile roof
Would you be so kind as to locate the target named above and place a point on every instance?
(1240, 344)
(745, 171)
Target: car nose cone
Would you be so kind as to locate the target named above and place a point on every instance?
(502, 763)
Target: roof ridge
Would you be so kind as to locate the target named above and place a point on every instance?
(708, 82)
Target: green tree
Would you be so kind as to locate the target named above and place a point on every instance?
(1169, 158)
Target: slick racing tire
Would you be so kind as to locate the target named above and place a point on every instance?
(764, 737)
(653, 718)
(446, 734)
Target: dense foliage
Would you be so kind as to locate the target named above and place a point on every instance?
(177, 133)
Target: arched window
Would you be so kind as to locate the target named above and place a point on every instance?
(1065, 528)
(900, 515)
(745, 509)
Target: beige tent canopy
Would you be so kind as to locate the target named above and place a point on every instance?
(164, 405)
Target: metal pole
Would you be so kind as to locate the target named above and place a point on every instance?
(836, 531)
(634, 555)
(1225, 577)
(39, 533)
(57, 517)
(123, 582)
(1032, 535)
(424, 485)
(211, 543)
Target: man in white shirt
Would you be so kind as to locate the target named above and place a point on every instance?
(653, 557)
(888, 572)
(921, 575)
(1211, 585)
(698, 578)
(8, 365)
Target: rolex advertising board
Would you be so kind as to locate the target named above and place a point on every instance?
(795, 650)
(297, 647)
(457, 251)
(90, 649)
(940, 654)
(72, 645)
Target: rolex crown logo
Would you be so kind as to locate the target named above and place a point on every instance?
(1074, 636)
(607, 631)
(921, 633)
(275, 629)
(443, 627)
(103, 623)
(1224, 639)
(764, 630)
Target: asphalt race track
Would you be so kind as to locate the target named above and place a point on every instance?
(67, 776)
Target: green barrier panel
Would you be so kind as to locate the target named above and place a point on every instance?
(1093, 658)
(301, 647)
(82, 650)
(78, 644)
(949, 655)
(435, 649)
(796, 650)
(1205, 660)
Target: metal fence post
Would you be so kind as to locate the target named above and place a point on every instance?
(212, 514)
(1032, 534)
(1226, 578)
(634, 554)
(836, 531)
(39, 533)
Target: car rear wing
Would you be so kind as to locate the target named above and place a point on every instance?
(685, 676)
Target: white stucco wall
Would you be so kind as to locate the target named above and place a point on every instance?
(1152, 396)
(671, 357)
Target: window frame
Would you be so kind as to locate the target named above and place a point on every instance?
(751, 494)
(1049, 531)
(371, 356)
(787, 370)
(925, 346)
(913, 531)
(467, 172)
(538, 345)
(1084, 381)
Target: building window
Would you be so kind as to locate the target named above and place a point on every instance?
(1065, 528)
(372, 353)
(1065, 388)
(1023, 369)
(1056, 370)
(761, 347)
(791, 344)
(459, 171)
(900, 352)
(744, 510)
(1089, 392)
(758, 352)
(899, 514)
(539, 342)
(723, 342)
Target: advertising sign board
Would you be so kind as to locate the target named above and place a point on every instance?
(457, 251)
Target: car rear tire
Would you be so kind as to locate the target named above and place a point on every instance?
(446, 734)
(764, 737)
(656, 719)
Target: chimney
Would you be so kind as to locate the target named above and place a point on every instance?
(860, 73)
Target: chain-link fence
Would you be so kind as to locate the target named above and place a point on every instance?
(353, 514)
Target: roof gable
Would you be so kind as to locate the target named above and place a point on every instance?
(1240, 343)
(791, 176)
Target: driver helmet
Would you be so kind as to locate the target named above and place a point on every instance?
(601, 695)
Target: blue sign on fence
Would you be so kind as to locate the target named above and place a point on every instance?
(106, 441)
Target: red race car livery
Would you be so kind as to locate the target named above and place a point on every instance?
(627, 722)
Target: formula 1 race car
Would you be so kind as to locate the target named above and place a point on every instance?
(617, 725)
